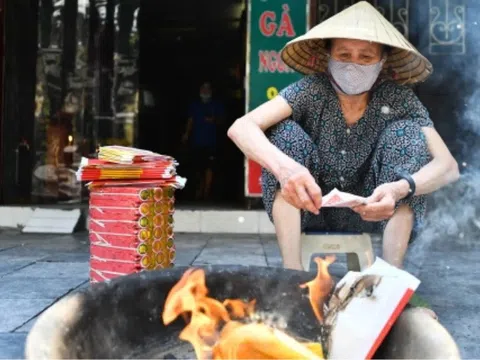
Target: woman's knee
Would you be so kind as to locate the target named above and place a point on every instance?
(403, 142)
(403, 132)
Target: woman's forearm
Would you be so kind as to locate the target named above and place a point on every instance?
(435, 175)
(251, 140)
(248, 134)
(440, 171)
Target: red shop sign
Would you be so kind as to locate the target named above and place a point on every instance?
(253, 174)
(271, 24)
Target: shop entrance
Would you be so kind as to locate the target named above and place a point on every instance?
(182, 45)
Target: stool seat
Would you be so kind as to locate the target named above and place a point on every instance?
(357, 246)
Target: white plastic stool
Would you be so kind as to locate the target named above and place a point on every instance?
(357, 246)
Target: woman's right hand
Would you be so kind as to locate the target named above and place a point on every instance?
(299, 188)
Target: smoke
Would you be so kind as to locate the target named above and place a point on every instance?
(453, 218)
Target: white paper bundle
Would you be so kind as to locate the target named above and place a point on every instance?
(361, 326)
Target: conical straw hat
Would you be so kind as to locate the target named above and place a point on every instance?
(307, 53)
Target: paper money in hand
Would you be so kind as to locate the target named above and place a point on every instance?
(337, 198)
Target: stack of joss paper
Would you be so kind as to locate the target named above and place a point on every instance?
(131, 210)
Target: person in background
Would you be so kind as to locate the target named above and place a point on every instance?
(351, 123)
(204, 117)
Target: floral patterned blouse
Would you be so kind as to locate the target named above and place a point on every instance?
(344, 150)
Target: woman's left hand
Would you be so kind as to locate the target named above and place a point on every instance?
(381, 204)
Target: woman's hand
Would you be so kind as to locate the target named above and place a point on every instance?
(299, 188)
(381, 204)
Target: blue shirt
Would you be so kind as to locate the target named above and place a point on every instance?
(204, 132)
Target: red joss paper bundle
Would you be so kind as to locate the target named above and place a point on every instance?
(131, 211)
(93, 169)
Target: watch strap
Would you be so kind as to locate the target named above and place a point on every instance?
(402, 175)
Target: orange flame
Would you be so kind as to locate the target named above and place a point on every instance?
(240, 309)
(258, 341)
(184, 295)
(214, 335)
(320, 287)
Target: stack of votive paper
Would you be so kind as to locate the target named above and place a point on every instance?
(131, 210)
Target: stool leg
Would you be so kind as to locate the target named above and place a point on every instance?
(309, 247)
(353, 262)
(306, 259)
(307, 252)
(365, 259)
(366, 256)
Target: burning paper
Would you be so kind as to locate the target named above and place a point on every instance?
(359, 314)
(320, 287)
(364, 307)
(337, 198)
(225, 330)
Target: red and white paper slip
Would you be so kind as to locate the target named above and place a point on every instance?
(337, 198)
(365, 322)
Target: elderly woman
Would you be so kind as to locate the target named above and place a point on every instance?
(352, 124)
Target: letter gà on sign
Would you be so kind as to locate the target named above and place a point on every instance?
(270, 60)
(269, 27)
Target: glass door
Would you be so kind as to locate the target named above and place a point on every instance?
(61, 74)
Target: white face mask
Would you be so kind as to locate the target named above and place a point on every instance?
(353, 79)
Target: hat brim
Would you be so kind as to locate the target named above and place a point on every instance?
(311, 56)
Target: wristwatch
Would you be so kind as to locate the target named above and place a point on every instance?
(403, 175)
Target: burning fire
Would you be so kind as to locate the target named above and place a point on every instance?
(226, 330)
(319, 288)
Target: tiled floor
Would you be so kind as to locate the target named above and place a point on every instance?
(37, 270)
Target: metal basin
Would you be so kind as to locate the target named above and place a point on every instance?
(122, 319)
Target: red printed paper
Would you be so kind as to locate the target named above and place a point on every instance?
(131, 210)
(337, 198)
(130, 230)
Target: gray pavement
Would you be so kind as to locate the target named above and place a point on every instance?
(37, 270)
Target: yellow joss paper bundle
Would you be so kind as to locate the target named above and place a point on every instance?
(127, 155)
